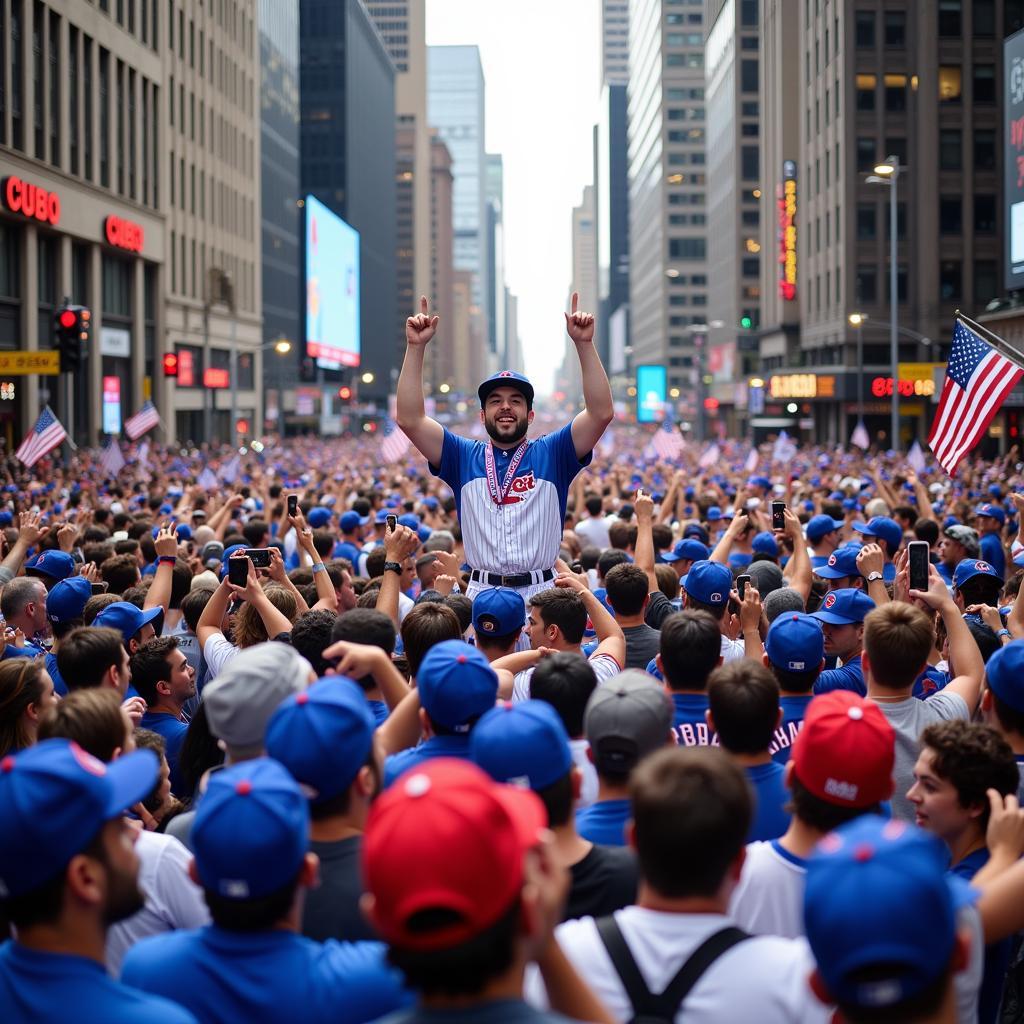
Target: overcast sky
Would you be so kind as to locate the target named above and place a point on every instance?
(541, 62)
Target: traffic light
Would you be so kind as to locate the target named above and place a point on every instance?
(170, 364)
(746, 323)
(71, 324)
(345, 393)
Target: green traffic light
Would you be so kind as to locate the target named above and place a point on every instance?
(746, 323)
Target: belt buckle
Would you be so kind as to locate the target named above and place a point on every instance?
(504, 581)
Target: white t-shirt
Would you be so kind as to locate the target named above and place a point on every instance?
(604, 665)
(769, 899)
(732, 650)
(763, 979)
(173, 900)
(217, 652)
(594, 532)
(588, 773)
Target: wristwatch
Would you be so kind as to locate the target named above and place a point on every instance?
(393, 567)
(1004, 632)
(872, 576)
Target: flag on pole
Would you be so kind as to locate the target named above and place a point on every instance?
(784, 448)
(606, 446)
(145, 419)
(667, 443)
(915, 458)
(42, 438)
(112, 460)
(229, 471)
(395, 443)
(859, 437)
(978, 379)
(208, 480)
(710, 457)
(751, 464)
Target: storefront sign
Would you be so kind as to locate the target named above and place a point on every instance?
(787, 232)
(213, 378)
(31, 201)
(1013, 159)
(111, 405)
(124, 234)
(8, 391)
(45, 363)
(186, 369)
(116, 341)
(802, 385)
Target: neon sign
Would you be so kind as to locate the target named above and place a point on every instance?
(30, 200)
(787, 232)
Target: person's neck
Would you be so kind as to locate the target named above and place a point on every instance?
(166, 707)
(794, 693)
(71, 935)
(494, 653)
(847, 656)
(650, 899)
(508, 446)
(336, 829)
(672, 690)
(823, 550)
(626, 621)
(610, 791)
(963, 845)
(800, 838)
(508, 985)
(888, 694)
(570, 847)
(751, 760)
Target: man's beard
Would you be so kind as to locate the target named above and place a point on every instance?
(124, 895)
(522, 425)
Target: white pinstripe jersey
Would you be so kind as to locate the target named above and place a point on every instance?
(524, 533)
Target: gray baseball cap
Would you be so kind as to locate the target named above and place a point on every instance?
(965, 535)
(626, 719)
(240, 701)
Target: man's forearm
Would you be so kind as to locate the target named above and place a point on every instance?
(15, 557)
(409, 397)
(963, 652)
(597, 392)
(601, 619)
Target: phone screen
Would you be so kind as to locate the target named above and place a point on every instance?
(392, 523)
(778, 515)
(741, 585)
(293, 504)
(238, 570)
(918, 553)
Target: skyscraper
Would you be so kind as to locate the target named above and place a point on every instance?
(441, 366)
(614, 42)
(495, 191)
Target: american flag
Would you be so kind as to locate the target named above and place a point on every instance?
(667, 443)
(978, 379)
(145, 419)
(395, 443)
(112, 460)
(42, 438)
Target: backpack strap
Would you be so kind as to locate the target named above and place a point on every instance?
(647, 1006)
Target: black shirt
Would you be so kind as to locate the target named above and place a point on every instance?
(332, 909)
(604, 881)
(659, 608)
(642, 644)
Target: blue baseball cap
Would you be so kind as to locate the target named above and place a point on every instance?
(127, 619)
(232, 549)
(183, 531)
(424, 533)
(759, 481)
(323, 735)
(992, 511)
(430, 502)
(795, 642)
(764, 543)
(883, 528)
(498, 611)
(687, 548)
(318, 517)
(506, 379)
(818, 526)
(410, 520)
(844, 607)
(880, 910)
(54, 798)
(351, 520)
(1004, 674)
(456, 684)
(251, 830)
(968, 568)
(57, 565)
(842, 563)
(67, 599)
(381, 516)
(708, 582)
(697, 532)
(714, 514)
(522, 744)
(6, 517)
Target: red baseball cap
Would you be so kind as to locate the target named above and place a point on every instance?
(845, 751)
(444, 836)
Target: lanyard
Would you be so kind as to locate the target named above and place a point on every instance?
(500, 493)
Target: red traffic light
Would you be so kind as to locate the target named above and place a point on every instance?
(170, 364)
(711, 404)
(67, 318)
(344, 392)
(242, 426)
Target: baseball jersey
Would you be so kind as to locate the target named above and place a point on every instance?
(992, 552)
(769, 899)
(524, 532)
(793, 710)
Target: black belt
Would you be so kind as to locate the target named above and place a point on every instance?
(516, 580)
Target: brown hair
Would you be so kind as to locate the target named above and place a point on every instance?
(743, 698)
(425, 625)
(897, 640)
(21, 685)
(92, 718)
(668, 580)
(249, 628)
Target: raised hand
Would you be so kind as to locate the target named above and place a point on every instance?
(420, 329)
(579, 325)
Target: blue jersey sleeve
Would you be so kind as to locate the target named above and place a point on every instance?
(848, 677)
(456, 453)
(561, 463)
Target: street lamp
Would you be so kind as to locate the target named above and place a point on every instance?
(887, 173)
(444, 389)
(857, 321)
(282, 346)
(368, 377)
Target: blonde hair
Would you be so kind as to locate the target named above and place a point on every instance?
(249, 629)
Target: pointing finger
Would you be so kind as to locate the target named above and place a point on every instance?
(424, 305)
(575, 301)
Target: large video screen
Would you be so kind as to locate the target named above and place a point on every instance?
(651, 383)
(332, 287)
(1013, 159)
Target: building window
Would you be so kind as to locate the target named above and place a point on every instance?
(865, 30)
(686, 249)
(895, 29)
(17, 70)
(104, 118)
(750, 266)
(865, 154)
(749, 162)
(950, 283)
(984, 150)
(748, 75)
(749, 13)
(895, 93)
(950, 83)
(949, 18)
(866, 85)
(985, 214)
(117, 286)
(53, 113)
(867, 284)
(950, 149)
(986, 287)
(866, 222)
(983, 18)
(950, 215)
(984, 83)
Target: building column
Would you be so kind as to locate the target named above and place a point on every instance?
(138, 363)
(30, 323)
(95, 358)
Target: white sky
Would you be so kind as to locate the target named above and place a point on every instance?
(542, 68)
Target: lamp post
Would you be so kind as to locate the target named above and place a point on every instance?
(888, 173)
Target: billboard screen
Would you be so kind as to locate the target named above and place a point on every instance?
(651, 392)
(332, 287)
(1013, 158)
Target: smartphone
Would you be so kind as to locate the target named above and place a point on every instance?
(238, 570)
(918, 552)
(778, 515)
(260, 557)
(99, 588)
(293, 504)
(741, 584)
(391, 524)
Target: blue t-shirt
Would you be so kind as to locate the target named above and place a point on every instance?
(689, 726)
(846, 677)
(173, 732)
(992, 552)
(36, 986)
(436, 746)
(262, 977)
(793, 711)
(771, 796)
(347, 549)
(58, 680)
(604, 822)
(379, 710)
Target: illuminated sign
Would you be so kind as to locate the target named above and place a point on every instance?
(31, 201)
(7, 391)
(46, 363)
(212, 377)
(801, 385)
(881, 387)
(186, 369)
(111, 405)
(124, 234)
(1012, 97)
(787, 232)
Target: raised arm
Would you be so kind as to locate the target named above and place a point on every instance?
(159, 593)
(643, 554)
(800, 575)
(426, 434)
(611, 639)
(589, 425)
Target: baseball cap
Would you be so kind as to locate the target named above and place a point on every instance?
(409, 519)
(626, 718)
(212, 555)
(323, 735)
(696, 531)
(693, 550)
(523, 744)
(127, 619)
(58, 565)
(714, 514)
(67, 599)
(424, 533)
(350, 520)
(498, 611)
(766, 576)
(54, 797)
(844, 607)
(842, 563)
(965, 535)
(6, 517)
(795, 643)
(708, 582)
(878, 895)
(443, 805)
(1004, 674)
(818, 526)
(844, 753)
(506, 379)
(759, 481)
(318, 517)
(456, 684)
(381, 516)
(992, 511)
(968, 568)
(883, 528)
(183, 531)
(241, 699)
(251, 830)
(764, 543)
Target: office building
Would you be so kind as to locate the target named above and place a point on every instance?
(495, 195)
(584, 251)
(440, 365)
(614, 42)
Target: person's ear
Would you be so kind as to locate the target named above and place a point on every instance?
(368, 908)
(163, 686)
(364, 781)
(309, 872)
(788, 774)
(865, 665)
(86, 880)
(710, 720)
(425, 725)
(986, 699)
(658, 663)
(482, 418)
(529, 417)
(765, 660)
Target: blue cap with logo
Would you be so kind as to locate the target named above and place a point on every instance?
(842, 563)
(506, 379)
(251, 830)
(818, 526)
(54, 798)
(351, 520)
(498, 611)
(844, 607)
(456, 684)
(708, 582)
(67, 599)
(764, 543)
(57, 565)
(795, 642)
(883, 528)
(318, 517)
(968, 568)
(127, 619)
(686, 549)
(880, 910)
(522, 744)
(992, 511)
(1004, 674)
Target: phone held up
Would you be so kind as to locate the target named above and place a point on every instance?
(918, 554)
(778, 515)
(741, 584)
(238, 570)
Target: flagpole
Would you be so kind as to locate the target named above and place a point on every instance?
(1001, 344)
